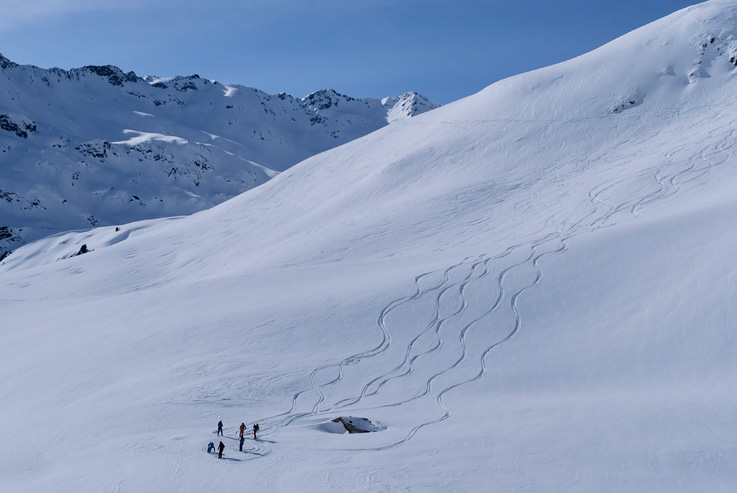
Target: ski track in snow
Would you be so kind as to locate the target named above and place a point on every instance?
(492, 273)
(540, 262)
(290, 416)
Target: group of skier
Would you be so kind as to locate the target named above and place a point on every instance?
(211, 449)
(241, 431)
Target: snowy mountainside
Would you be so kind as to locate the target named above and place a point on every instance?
(99, 146)
(534, 299)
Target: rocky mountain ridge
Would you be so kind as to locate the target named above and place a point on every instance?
(99, 146)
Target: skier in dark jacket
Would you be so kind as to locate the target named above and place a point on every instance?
(256, 427)
(220, 428)
(241, 445)
(210, 448)
(221, 447)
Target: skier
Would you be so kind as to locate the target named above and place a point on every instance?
(221, 447)
(242, 440)
(243, 429)
(256, 427)
(220, 428)
(210, 448)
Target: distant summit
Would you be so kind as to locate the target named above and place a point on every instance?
(408, 105)
(97, 146)
(114, 75)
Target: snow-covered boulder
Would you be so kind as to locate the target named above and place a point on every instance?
(356, 425)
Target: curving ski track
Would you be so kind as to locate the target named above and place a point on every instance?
(668, 177)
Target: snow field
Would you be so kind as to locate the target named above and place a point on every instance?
(539, 302)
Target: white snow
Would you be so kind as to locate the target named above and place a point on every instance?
(152, 79)
(147, 137)
(528, 290)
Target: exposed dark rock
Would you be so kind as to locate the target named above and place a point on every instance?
(7, 238)
(189, 86)
(114, 75)
(356, 425)
(5, 233)
(9, 196)
(21, 130)
(5, 63)
(94, 149)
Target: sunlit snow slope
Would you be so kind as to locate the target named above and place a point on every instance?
(530, 289)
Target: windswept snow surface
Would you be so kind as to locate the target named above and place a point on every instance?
(530, 289)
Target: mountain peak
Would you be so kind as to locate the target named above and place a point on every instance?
(325, 99)
(5, 63)
(113, 74)
(407, 105)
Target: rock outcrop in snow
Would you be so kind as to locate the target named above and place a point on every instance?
(353, 424)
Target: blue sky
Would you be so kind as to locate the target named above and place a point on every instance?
(444, 49)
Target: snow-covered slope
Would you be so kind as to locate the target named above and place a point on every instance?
(529, 289)
(97, 146)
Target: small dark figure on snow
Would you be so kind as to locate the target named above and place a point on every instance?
(243, 429)
(221, 447)
(256, 427)
(220, 428)
(210, 448)
(241, 445)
